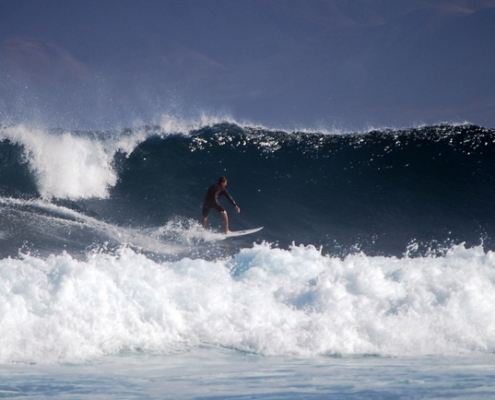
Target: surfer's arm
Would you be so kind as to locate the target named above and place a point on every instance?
(229, 198)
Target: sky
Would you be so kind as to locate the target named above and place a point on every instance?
(291, 64)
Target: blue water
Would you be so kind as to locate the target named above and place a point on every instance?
(372, 278)
(219, 374)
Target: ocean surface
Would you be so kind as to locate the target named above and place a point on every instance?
(374, 275)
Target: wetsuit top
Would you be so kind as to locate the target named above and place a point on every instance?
(214, 192)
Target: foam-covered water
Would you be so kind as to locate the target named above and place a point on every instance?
(262, 300)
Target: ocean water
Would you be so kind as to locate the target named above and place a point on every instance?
(374, 275)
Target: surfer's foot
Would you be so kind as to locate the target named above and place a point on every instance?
(227, 232)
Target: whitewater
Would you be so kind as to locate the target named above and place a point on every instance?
(373, 278)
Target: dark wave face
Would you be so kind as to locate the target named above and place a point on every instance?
(384, 192)
(15, 178)
(379, 191)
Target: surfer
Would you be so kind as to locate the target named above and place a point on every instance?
(211, 201)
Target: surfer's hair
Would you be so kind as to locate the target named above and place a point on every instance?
(222, 179)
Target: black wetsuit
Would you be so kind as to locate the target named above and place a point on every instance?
(211, 199)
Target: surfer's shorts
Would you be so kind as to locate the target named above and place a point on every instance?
(208, 207)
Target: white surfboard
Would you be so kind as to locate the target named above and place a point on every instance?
(243, 232)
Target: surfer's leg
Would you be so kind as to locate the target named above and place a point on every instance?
(225, 218)
(205, 212)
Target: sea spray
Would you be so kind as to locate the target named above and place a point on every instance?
(65, 165)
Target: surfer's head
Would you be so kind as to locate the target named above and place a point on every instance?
(222, 181)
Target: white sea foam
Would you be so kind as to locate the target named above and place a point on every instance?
(73, 166)
(263, 300)
(65, 165)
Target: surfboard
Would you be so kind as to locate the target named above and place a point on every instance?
(243, 232)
